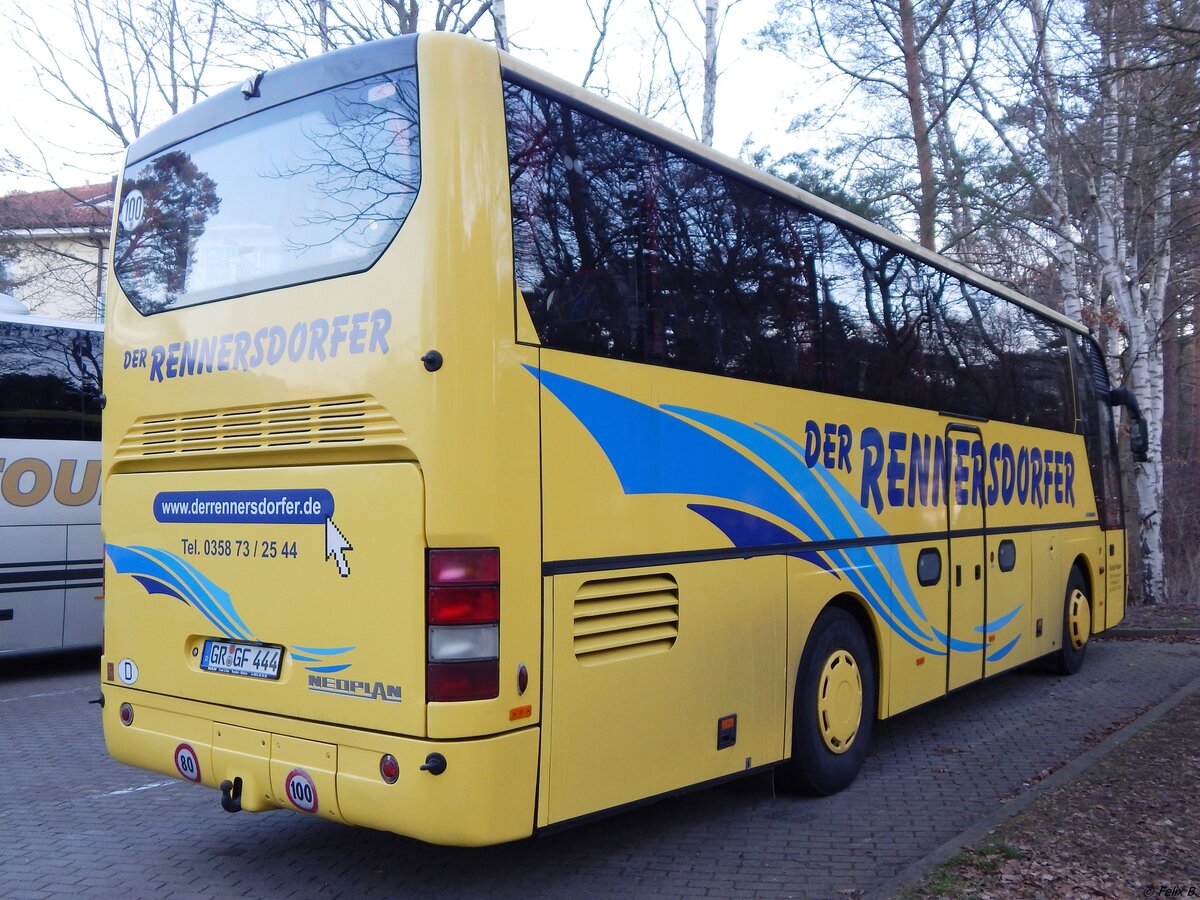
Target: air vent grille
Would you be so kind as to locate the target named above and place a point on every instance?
(621, 618)
(255, 430)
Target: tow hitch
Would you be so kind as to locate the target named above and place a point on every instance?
(231, 795)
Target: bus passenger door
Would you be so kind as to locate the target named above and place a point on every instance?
(965, 492)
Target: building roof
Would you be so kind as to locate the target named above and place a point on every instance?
(89, 206)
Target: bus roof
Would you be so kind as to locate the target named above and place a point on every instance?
(263, 90)
(23, 319)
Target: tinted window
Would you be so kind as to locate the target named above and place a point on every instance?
(49, 383)
(626, 249)
(308, 189)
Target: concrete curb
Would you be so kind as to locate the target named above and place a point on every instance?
(1141, 633)
(975, 834)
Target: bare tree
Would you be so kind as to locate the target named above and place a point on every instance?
(500, 18)
(1093, 108)
(681, 48)
(279, 31)
(124, 66)
(1096, 133)
(601, 14)
(896, 54)
(115, 68)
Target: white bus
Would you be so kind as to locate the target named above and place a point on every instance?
(51, 558)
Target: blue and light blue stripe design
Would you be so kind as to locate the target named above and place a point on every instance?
(162, 572)
(696, 453)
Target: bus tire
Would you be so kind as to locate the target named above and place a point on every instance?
(834, 709)
(1076, 626)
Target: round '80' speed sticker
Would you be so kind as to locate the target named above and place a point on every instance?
(186, 762)
(301, 791)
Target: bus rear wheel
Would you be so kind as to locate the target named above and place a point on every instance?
(834, 710)
(1077, 625)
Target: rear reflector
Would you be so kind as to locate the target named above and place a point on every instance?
(389, 769)
(462, 608)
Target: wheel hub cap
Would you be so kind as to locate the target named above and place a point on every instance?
(839, 701)
(1079, 620)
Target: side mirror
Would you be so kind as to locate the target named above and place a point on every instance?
(1139, 434)
(1139, 440)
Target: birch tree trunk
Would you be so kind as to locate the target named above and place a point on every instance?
(1067, 238)
(710, 72)
(500, 17)
(1140, 304)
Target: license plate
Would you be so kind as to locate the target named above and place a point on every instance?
(232, 658)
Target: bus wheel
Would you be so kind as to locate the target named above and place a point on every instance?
(834, 709)
(1077, 625)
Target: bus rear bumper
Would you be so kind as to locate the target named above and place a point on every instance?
(485, 795)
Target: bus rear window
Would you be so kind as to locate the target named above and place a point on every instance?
(310, 189)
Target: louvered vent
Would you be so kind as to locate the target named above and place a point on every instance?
(620, 618)
(254, 430)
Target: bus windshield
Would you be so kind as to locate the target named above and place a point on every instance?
(308, 189)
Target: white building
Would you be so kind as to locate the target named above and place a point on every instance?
(54, 250)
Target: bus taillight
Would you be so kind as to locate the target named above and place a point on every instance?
(462, 607)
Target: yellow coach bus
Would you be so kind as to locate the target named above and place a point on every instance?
(479, 457)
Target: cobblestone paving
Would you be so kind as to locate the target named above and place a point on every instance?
(73, 822)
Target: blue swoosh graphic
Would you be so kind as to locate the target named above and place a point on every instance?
(746, 530)
(679, 450)
(161, 572)
(1005, 650)
(857, 562)
(1000, 622)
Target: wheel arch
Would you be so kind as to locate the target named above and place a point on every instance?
(1084, 566)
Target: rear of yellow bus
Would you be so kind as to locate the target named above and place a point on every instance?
(321, 508)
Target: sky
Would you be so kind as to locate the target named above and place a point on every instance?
(757, 90)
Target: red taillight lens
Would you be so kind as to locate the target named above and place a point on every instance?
(477, 680)
(462, 604)
(471, 605)
(470, 566)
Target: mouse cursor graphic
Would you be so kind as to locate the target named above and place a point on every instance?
(336, 546)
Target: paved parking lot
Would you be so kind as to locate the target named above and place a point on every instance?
(73, 822)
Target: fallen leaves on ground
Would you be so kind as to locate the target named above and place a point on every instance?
(1126, 828)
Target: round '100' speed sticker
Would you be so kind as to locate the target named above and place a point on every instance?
(301, 791)
(187, 763)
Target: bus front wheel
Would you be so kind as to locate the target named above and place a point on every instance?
(834, 710)
(1077, 625)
